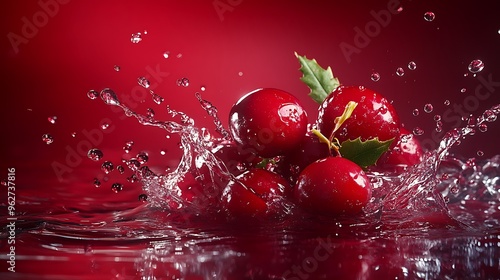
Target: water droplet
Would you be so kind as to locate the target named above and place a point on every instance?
(95, 154)
(120, 169)
(428, 108)
(142, 157)
(117, 187)
(203, 88)
(437, 118)
(136, 38)
(240, 73)
(480, 153)
(412, 65)
(133, 164)
(179, 55)
(109, 97)
(52, 119)
(107, 167)
(418, 131)
(163, 152)
(48, 139)
(157, 99)
(92, 94)
(489, 116)
(463, 90)
(150, 113)
(143, 82)
(117, 68)
(483, 127)
(166, 54)
(400, 72)
(143, 197)
(183, 82)
(104, 126)
(447, 102)
(133, 178)
(476, 66)
(73, 134)
(97, 183)
(429, 16)
(416, 112)
(375, 76)
(400, 9)
(128, 146)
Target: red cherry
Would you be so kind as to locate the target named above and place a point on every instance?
(251, 195)
(373, 117)
(405, 150)
(333, 186)
(268, 122)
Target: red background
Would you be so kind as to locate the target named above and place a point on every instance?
(76, 48)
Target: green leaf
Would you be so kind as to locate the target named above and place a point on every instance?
(364, 153)
(320, 81)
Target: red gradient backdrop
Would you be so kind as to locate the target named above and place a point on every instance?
(49, 67)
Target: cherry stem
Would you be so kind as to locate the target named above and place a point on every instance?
(322, 138)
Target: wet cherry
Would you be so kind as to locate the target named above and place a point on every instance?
(268, 122)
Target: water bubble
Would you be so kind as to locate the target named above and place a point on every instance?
(143, 197)
(439, 126)
(109, 97)
(92, 94)
(166, 54)
(412, 65)
(143, 82)
(157, 99)
(73, 134)
(95, 154)
(240, 73)
(179, 55)
(120, 169)
(48, 139)
(480, 153)
(418, 131)
(463, 90)
(163, 152)
(52, 119)
(476, 66)
(446, 102)
(117, 68)
(483, 127)
(183, 82)
(437, 118)
(150, 113)
(97, 183)
(375, 76)
(429, 16)
(133, 178)
(489, 116)
(133, 164)
(428, 108)
(104, 126)
(416, 112)
(107, 167)
(203, 88)
(117, 187)
(136, 38)
(400, 71)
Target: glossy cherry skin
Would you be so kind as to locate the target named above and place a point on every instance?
(333, 186)
(268, 122)
(405, 150)
(373, 117)
(250, 195)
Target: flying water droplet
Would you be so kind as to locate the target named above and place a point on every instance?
(117, 68)
(163, 152)
(117, 187)
(120, 169)
(48, 139)
(428, 108)
(166, 54)
(52, 119)
(92, 94)
(183, 82)
(416, 112)
(429, 16)
(97, 183)
(143, 82)
(476, 66)
(128, 146)
(95, 154)
(143, 197)
(447, 102)
(136, 38)
(480, 153)
(179, 55)
(418, 131)
(107, 167)
(240, 73)
(400, 9)
(463, 90)
(109, 97)
(157, 99)
(412, 65)
(375, 76)
(400, 72)
(104, 126)
(483, 127)
(142, 157)
(489, 116)
(203, 88)
(73, 134)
